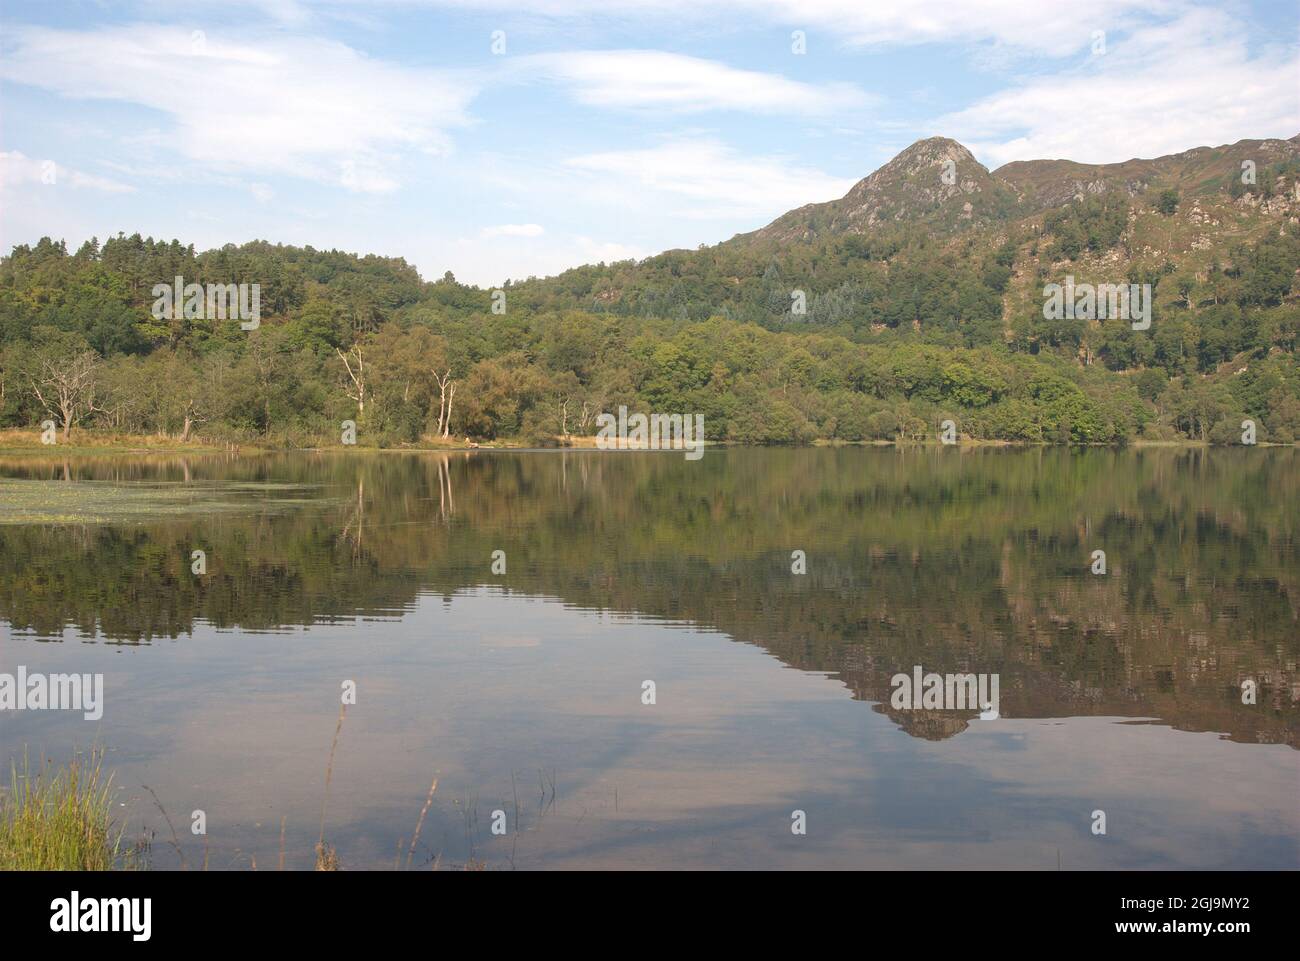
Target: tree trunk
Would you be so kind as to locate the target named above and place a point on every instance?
(450, 397)
(358, 377)
(444, 408)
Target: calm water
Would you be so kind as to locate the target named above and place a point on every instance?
(522, 692)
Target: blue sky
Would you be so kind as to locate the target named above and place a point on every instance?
(606, 129)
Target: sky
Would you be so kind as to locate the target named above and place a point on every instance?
(506, 140)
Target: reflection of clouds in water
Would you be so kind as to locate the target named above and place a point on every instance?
(896, 531)
(240, 725)
(1172, 798)
(509, 640)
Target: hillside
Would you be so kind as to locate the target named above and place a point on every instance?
(936, 182)
(1203, 170)
(939, 183)
(922, 296)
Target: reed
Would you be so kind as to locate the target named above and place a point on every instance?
(327, 858)
(60, 819)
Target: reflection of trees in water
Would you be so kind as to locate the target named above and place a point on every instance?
(958, 561)
(446, 501)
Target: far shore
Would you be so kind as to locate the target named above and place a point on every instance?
(88, 442)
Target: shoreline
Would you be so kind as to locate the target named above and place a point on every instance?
(151, 445)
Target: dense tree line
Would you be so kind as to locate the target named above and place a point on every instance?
(859, 337)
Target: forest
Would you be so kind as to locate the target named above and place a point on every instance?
(899, 329)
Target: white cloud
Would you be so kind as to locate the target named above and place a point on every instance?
(718, 181)
(1021, 24)
(512, 230)
(310, 108)
(1039, 27)
(1161, 90)
(669, 81)
(17, 169)
(238, 114)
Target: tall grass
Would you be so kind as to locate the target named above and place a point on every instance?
(60, 819)
(327, 858)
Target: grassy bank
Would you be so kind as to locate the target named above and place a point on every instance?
(95, 442)
(60, 819)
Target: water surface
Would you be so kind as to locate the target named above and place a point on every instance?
(522, 692)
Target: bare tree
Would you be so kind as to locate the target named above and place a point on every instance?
(64, 384)
(446, 393)
(451, 396)
(190, 396)
(566, 393)
(358, 376)
(193, 417)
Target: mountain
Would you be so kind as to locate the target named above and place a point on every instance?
(1200, 171)
(936, 243)
(935, 181)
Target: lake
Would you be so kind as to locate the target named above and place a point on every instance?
(499, 615)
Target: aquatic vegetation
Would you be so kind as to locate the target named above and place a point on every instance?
(101, 502)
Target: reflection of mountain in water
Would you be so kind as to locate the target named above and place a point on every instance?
(959, 561)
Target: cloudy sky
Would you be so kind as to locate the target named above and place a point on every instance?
(466, 136)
